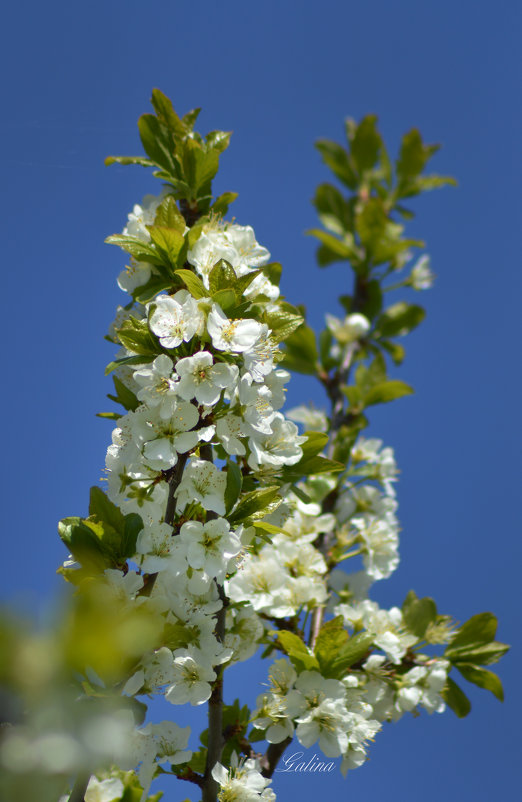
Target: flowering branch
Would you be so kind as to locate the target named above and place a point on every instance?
(223, 526)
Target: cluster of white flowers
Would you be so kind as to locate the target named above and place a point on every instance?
(332, 712)
(216, 385)
(287, 575)
(210, 399)
(342, 715)
(243, 782)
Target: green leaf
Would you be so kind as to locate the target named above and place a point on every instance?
(311, 466)
(300, 351)
(168, 241)
(413, 155)
(300, 655)
(154, 285)
(353, 650)
(387, 391)
(243, 282)
(483, 678)
(273, 272)
(131, 530)
(221, 277)
(226, 299)
(427, 182)
(315, 443)
(481, 653)
(283, 321)
(474, 642)
(199, 166)
(334, 212)
(190, 118)
(366, 144)
(233, 486)
(83, 543)
(169, 216)
(135, 335)
(372, 222)
(266, 527)
(128, 360)
(193, 283)
(399, 319)
(128, 160)
(142, 251)
(218, 140)
(338, 161)
(336, 249)
(154, 142)
(124, 396)
(456, 699)
(332, 637)
(103, 509)
(221, 204)
(479, 628)
(255, 504)
(396, 351)
(164, 109)
(418, 613)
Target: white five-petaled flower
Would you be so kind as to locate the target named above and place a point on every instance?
(325, 723)
(135, 275)
(259, 359)
(192, 678)
(143, 215)
(210, 546)
(243, 782)
(229, 429)
(164, 439)
(158, 385)
(203, 380)
(204, 483)
(232, 335)
(175, 319)
(281, 447)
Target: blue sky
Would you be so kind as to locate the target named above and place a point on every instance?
(280, 75)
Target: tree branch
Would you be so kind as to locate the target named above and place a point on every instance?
(273, 755)
(216, 740)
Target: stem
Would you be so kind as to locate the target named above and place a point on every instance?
(273, 755)
(216, 740)
(79, 788)
(174, 482)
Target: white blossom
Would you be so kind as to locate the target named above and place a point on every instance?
(143, 215)
(175, 319)
(164, 439)
(136, 274)
(192, 678)
(158, 387)
(232, 335)
(421, 276)
(242, 783)
(281, 447)
(203, 380)
(314, 420)
(230, 429)
(204, 483)
(103, 790)
(210, 546)
(353, 327)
